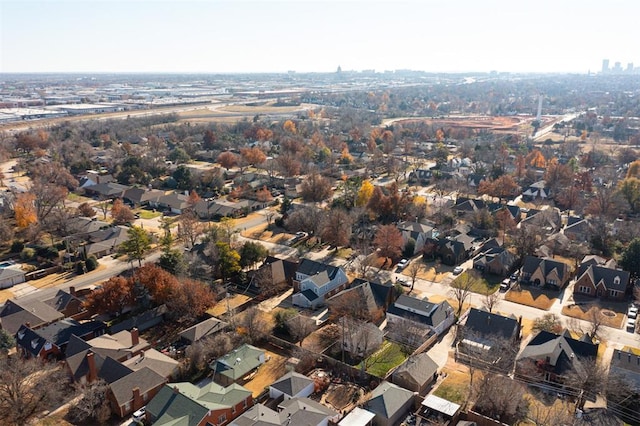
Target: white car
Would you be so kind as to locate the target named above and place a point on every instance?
(402, 264)
(457, 270)
(631, 325)
(632, 312)
(139, 416)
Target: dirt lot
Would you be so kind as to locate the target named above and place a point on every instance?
(221, 307)
(268, 373)
(609, 317)
(497, 124)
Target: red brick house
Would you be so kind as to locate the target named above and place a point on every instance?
(602, 282)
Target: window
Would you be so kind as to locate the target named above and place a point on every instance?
(616, 280)
(584, 289)
(222, 418)
(145, 396)
(244, 404)
(127, 407)
(552, 282)
(233, 410)
(614, 293)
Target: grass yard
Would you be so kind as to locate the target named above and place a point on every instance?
(343, 253)
(389, 356)
(455, 387)
(535, 298)
(221, 307)
(148, 214)
(479, 284)
(78, 198)
(609, 318)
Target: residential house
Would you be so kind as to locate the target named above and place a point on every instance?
(602, 282)
(487, 338)
(292, 385)
(421, 175)
(138, 197)
(237, 364)
(119, 346)
(10, 277)
(548, 219)
(358, 417)
(439, 411)
(626, 365)
(66, 303)
(133, 391)
(273, 274)
(49, 342)
(203, 329)
(33, 313)
(544, 272)
(465, 206)
(106, 191)
(495, 260)
(102, 242)
(537, 191)
(316, 282)
(294, 411)
(416, 374)
(174, 202)
(85, 366)
(418, 232)
(577, 229)
(455, 250)
(143, 321)
(361, 300)
(162, 364)
(84, 225)
(548, 358)
(93, 177)
(187, 404)
(408, 312)
(390, 404)
(592, 259)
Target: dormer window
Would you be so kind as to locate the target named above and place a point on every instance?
(34, 343)
(616, 280)
(21, 335)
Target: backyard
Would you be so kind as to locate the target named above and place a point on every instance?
(389, 356)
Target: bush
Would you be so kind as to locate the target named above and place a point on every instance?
(81, 268)
(17, 246)
(27, 253)
(92, 263)
(47, 252)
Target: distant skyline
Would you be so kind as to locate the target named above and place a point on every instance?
(211, 36)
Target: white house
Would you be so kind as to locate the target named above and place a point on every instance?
(292, 385)
(316, 282)
(10, 277)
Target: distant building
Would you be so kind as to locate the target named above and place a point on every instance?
(605, 66)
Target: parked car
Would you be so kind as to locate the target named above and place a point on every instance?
(505, 285)
(402, 264)
(139, 416)
(514, 277)
(458, 270)
(631, 325)
(403, 283)
(632, 312)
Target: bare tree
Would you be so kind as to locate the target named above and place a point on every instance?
(414, 269)
(300, 327)
(93, 407)
(500, 398)
(254, 324)
(551, 415)
(548, 322)
(190, 227)
(461, 288)
(491, 301)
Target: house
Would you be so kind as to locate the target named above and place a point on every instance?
(85, 366)
(34, 313)
(360, 300)
(416, 374)
(66, 303)
(536, 191)
(358, 417)
(273, 274)
(577, 229)
(106, 191)
(49, 342)
(439, 411)
(133, 391)
(487, 338)
(421, 175)
(316, 282)
(418, 232)
(103, 242)
(237, 364)
(119, 346)
(548, 358)
(174, 202)
(408, 311)
(84, 225)
(390, 403)
(495, 260)
(548, 219)
(455, 250)
(187, 404)
(292, 385)
(94, 177)
(294, 411)
(592, 259)
(137, 197)
(162, 364)
(10, 277)
(602, 282)
(627, 365)
(466, 206)
(143, 321)
(206, 328)
(544, 272)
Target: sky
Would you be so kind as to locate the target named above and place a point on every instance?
(221, 36)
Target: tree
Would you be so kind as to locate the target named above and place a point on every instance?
(86, 210)
(316, 188)
(253, 156)
(289, 126)
(388, 241)
(160, 283)
(93, 407)
(631, 258)
(227, 159)
(364, 193)
(337, 227)
(112, 297)
(121, 213)
(629, 189)
(548, 322)
(525, 240)
(491, 301)
(254, 324)
(228, 260)
(500, 398)
(300, 327)
(414, 269)
(189, 300)
(24, 210)
(7, 342)
(252, 253)
(190, 227)
(137, 245)
(183, 177)
(27, 387)
(461, 288)
(503, 187)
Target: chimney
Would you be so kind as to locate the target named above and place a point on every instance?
(72, 291)
(176, 390)
(136, 396)
(135, 336)
(93, 373)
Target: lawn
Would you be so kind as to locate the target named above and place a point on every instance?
(481, 284)
(389, 356)
(78, 198)
(609, 318)
(535, 298)
(455, 386)
(148, 214)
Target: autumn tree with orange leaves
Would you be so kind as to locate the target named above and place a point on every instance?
(389, 242)
(24, 210)
(503, 187)
(227, 159)
(253, 156)
(112, 297)
(536, 159)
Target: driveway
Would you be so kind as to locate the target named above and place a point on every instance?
(440, 351)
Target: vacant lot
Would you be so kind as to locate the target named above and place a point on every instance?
(479, 284)
(531, 297)
(608, 317)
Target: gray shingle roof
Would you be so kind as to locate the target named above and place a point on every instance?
(292, 383)
(16, 313)
(487, 324)
(168, 406)
(387, 399)
(203, 329)
(420, 368)
(145, 379)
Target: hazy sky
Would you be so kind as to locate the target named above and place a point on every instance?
(256, 36)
